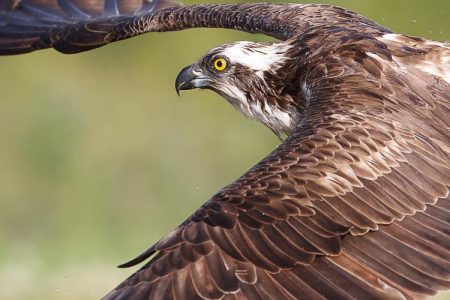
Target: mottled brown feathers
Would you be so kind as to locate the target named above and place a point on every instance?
(354, 204)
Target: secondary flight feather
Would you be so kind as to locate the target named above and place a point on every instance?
(354, 204)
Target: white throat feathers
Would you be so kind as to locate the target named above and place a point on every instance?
(257, 59)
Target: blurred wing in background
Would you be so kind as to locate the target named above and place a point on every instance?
(31, 25)
(72, 26)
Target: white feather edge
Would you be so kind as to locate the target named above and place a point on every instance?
(440, 68)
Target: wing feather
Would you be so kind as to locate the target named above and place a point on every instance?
(72, 26)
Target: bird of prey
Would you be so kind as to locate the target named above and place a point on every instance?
(354, 204)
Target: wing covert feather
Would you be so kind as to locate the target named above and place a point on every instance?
(353, 231)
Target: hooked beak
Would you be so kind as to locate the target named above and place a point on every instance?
(187, 80)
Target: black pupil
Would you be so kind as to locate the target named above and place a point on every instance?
(219, 64)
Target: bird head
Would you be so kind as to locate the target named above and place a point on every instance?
(248, 76)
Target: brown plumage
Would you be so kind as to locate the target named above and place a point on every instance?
(354, 204)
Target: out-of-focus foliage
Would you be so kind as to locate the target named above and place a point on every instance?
(99, 158)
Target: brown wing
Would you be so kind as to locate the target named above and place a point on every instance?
(72, 26)
(353, 205)
(29, 25)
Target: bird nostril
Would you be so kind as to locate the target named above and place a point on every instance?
(197, 72)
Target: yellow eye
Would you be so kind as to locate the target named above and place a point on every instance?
(220, 64)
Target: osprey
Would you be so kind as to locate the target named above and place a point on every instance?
(354, 204)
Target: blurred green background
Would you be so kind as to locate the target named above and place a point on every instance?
(99, 158)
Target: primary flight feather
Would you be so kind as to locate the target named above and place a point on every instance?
(354, 204)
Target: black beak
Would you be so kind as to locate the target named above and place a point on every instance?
(185, 80)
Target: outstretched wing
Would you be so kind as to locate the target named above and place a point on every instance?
(72, 26)
(353, 205)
